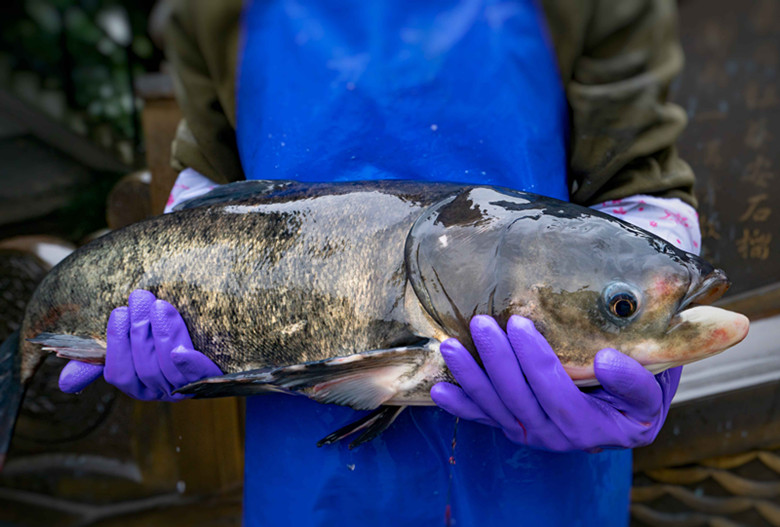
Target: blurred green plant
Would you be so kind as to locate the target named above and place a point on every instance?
(87, 50)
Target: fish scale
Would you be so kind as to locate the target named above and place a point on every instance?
(343, 291)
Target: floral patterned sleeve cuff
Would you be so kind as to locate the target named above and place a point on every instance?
(190, 184)
(669, 218)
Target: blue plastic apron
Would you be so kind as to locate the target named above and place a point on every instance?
(408, 89)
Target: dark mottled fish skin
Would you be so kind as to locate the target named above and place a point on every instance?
(300, 274)
(273, 274)
(343, 291)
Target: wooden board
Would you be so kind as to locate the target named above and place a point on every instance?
(730, 88)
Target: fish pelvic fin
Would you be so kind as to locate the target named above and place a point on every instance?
(375, 423)
(74, 347)
(362, 381)
(11, 391)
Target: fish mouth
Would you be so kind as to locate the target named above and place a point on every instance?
(706, 287)
(698, 330)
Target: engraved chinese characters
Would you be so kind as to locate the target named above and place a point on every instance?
(731, 91)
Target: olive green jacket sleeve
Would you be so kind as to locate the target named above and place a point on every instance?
(616, 58)
(201, 40)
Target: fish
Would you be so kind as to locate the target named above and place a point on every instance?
(342, 292)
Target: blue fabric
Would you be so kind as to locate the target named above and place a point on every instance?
(401, 89)
(403, 477)
(425, 90)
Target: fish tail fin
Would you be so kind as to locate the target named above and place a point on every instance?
(11, 391)
(74, 347)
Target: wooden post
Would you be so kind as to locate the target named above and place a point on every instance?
(159, 119)
(208, 435)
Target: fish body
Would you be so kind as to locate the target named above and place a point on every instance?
(299, 275)
(343, 291)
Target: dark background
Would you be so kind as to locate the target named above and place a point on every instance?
(80, 83)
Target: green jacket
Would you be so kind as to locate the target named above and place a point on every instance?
(616, 58)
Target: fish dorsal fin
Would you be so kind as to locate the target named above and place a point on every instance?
(236, 191)
(362, 381)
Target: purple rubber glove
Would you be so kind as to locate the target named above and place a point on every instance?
(525, 391)
(149, 353)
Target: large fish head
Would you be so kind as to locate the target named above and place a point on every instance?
(587, 280)
(590, 281)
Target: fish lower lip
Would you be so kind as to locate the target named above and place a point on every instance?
(697, 333)
(722, 328)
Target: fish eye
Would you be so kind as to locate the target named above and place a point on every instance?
(621, 300)
(622, 305)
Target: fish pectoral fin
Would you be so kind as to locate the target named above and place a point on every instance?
(76, 347)
(242, 384)
(375, 423)
(362, 381)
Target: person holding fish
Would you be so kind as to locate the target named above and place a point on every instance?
(562, 99)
